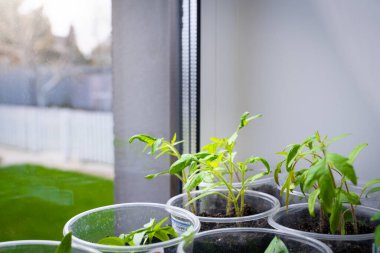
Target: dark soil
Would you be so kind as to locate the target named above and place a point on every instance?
(248, 210)
(241, 242)
(303, 221)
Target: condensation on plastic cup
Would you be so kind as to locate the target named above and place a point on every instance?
(215, 235)
(114, 216)
(39, 246)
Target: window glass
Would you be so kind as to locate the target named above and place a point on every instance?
(56, 139)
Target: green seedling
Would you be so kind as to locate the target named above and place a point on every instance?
(65, 245)
(148, 234)
(276, 246)
(325, 175)
(215, 163)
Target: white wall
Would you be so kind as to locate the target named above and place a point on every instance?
(145, 92)
(306, 65)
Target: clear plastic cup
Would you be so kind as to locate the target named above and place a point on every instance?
(91, 226)
(261, 203)
(298, 215)
(38, 246)
(228, 240)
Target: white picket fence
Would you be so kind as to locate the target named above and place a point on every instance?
(76, 134)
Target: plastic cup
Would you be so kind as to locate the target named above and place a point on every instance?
(91, 226)
(39, 246)
(290, 220)
(229, 240)
(263, 204)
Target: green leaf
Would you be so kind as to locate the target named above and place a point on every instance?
(337, 138)
(369, 184)
(162, 236)
(65, 245)
(169, 230)
(343, 165)
(233, 138)
(335, 217)
(112, 240)
(211, 148)
(315, 172)
(252, 178)
(376, 217)
(287, 186)
(143, 138)
(377, 236)
(327, 193)
(355, 152)
(181, 163)
(259, 159)
(156, 144)
(349, 197)
(158, 225)
(283, 153)
(153, 176)
(143, 235)
(203, 155)
(276, 246)
(375, 189)
(317, 136)
(174, 138)
(278, 171)
(292, 155)
(311, 201)
(244, 120)
(193, 167)
(138, 237)
(193, 182)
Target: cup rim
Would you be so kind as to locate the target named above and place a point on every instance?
(170, 209)
(328, 237)
(272, 200)
(310, 241)
(44, 242)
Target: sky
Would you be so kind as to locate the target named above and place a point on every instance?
(91, 19)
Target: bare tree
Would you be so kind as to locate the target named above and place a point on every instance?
(26, 40)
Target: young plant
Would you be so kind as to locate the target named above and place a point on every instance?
(276, 246)
(65, 245)
(145, 235)
(215, 161)
(218, 165)
(324, 174)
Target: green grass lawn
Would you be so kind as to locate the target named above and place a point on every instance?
(36, 202)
